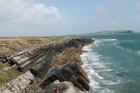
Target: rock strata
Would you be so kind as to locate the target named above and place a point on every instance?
(19, 84)
(70, 72)
(41, 61)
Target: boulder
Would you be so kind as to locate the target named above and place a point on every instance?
(62, 87)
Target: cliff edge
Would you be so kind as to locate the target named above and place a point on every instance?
(59, 60)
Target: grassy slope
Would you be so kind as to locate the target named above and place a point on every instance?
(17, 44)
(8, 75)
(10, 45)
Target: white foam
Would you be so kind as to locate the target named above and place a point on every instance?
(98, 42)
(106, 40)
(92, 62)
(88, 66)
(111, 82)
(88, 47)
(105, 70)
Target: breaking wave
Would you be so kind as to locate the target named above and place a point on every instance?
(94, 67)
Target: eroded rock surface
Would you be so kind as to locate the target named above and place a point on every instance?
(19, 84)
(71, 72)
(38, 62)
(62, 87)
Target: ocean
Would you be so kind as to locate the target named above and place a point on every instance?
(112, 63)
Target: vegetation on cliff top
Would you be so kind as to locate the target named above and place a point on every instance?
(7, 75)
(13, 44)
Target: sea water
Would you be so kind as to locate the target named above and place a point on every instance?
(112, 63)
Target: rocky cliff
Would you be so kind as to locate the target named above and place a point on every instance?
(43, 65)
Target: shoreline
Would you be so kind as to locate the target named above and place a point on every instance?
(85, 61)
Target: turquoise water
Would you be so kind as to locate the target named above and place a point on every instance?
(113, 63)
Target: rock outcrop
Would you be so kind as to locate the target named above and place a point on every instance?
(71, 72)
(19, 84)
(62, 87)
(41, 61)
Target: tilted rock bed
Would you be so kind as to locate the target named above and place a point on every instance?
(71, 72)
(19, 84)
(40, 62)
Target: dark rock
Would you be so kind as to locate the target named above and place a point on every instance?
(70, 72)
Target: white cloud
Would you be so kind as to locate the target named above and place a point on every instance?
(28, 12)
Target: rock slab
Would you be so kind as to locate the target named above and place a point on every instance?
(19, 84)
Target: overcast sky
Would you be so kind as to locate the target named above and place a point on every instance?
(56, 17)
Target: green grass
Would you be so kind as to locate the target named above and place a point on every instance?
(33, 41)
(53, 38)
(3, 78)
(2, 65)
(6, 76)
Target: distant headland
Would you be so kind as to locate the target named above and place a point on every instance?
(109, 32)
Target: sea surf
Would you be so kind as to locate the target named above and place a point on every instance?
(112, 63)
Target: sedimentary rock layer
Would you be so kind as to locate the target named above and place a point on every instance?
(40, 61)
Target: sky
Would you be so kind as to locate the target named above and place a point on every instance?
(61, 17)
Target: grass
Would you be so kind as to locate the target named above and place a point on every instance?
(33, 41)
(55, 38)
(2, 65)
(6, 76)
(19, 43)
(3, 79)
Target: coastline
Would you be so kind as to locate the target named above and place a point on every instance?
(65, 51)
(93, 66)
(87, 68)
(104, 64)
